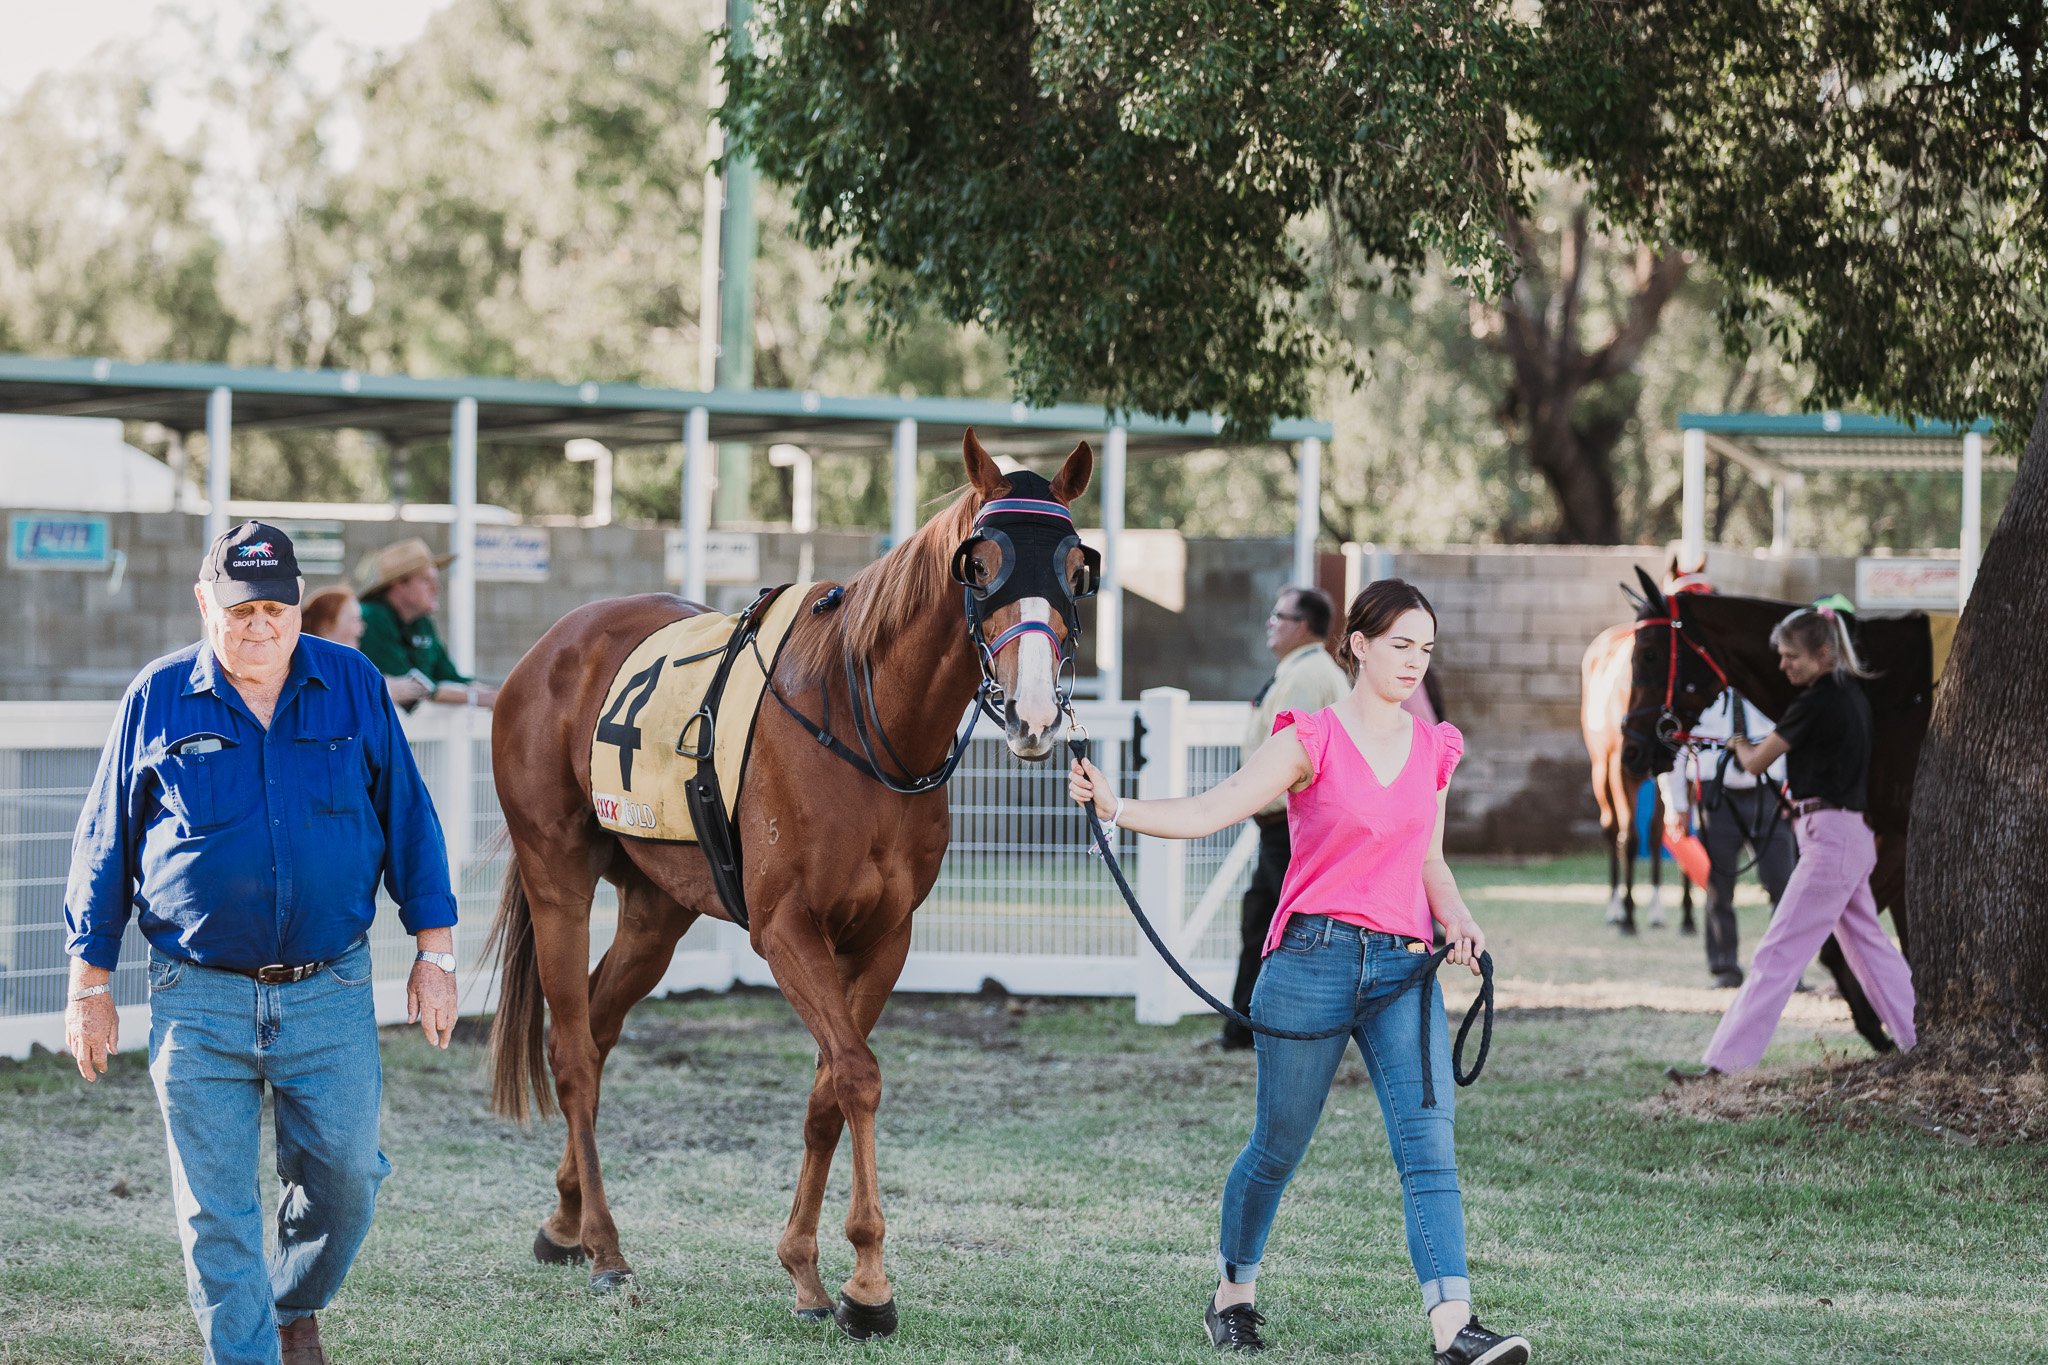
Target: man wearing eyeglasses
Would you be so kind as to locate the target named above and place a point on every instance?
(1306, 679)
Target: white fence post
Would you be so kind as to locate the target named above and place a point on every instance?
(1162, 863)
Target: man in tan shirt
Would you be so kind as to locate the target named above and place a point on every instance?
(1306, 679)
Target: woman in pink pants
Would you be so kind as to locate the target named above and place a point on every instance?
(1825, 736)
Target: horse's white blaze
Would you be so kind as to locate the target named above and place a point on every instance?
(1036, 694)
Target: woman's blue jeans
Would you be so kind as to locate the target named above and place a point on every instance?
(216, 1039)
(1323, 973)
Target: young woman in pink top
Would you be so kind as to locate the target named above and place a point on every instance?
(1366, 783)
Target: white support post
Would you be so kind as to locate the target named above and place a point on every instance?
(697, 456)
(462, 537)
(903, 482)
(1162, 863)
(1693, 525)
(1109, 602)
(1973, 515)
(1781, 516)
(1308, 510)
(220, 435)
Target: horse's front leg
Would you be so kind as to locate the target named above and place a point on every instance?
(797, 1248)
(839, 999)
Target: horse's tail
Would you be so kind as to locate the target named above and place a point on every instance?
(519, 1033)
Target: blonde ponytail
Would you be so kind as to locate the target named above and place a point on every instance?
(1815, 628)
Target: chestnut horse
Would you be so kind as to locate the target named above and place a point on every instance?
(836, 861)
(1603, 700)
(1731, 637)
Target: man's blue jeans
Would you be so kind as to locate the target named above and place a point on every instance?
(215, 1040)
(1322, 973)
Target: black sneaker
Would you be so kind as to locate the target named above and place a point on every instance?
(1474, 1345)
(1235, 1328)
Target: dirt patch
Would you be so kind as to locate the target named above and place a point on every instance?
(1970, 1108)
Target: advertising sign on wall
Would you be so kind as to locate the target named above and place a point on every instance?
(729, 557)
(512, 554)
(48, 540)
(1887, 584)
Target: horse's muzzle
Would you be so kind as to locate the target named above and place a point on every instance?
(1028, 741)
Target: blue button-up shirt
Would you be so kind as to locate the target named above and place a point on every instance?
(238, 846)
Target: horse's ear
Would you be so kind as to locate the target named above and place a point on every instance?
(1652, 594)
(1072, 479)
(988, 480)
(1635, 599)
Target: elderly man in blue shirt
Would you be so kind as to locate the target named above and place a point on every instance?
(253, 790)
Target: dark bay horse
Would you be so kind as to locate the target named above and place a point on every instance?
(1719, 636)
(835, 860)
(1603, 702)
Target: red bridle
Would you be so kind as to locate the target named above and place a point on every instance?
(1667, 715)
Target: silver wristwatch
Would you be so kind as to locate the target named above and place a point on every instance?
(445, 961)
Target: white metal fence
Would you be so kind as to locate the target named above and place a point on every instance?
(1018, 900)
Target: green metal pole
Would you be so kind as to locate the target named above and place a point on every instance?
(736, 244)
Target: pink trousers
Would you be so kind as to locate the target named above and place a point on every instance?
(1829, 894)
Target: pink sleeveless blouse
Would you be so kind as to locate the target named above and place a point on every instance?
(1359, 846)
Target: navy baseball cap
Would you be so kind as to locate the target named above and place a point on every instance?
(252, 562)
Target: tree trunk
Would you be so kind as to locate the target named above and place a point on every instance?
(1977, 861)
(1569, 407)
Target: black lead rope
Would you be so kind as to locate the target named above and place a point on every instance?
(1481, 1010)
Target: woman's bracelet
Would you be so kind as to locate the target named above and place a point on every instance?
(1109, 825)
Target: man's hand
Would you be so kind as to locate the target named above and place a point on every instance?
(430, 1002)
(92, 1027)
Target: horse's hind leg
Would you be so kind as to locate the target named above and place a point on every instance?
(840, 999)
(650, 923)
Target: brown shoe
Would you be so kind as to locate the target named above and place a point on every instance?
(300, 1342)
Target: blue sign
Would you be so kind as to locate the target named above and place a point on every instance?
(39, 541)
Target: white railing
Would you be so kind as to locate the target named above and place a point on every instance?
(1018, 900)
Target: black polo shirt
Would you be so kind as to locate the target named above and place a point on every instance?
(1828, 727)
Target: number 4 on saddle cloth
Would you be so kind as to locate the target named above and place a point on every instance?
(688, 693)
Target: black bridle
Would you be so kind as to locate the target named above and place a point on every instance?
(1034, 535)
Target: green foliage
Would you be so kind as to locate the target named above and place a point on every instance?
(1869, 178)
(1111, 186)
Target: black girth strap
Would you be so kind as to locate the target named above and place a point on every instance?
(717, 835)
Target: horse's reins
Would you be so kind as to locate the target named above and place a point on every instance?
(1481, 1010)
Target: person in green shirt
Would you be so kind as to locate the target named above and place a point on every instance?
(400, 588)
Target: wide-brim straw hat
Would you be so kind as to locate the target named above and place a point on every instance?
(379, 569)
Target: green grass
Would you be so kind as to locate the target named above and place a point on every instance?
(1051, 1172)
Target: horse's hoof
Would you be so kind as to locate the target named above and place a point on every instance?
(863, 1323)
(811, 1314)
(1689, 929)
(612, 1282)
(548, 1251)
(1626, 929)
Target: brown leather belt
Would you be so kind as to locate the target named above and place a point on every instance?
(277, 974)
(1808, 807)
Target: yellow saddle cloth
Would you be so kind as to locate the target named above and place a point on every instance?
(650, 712)
(1941, 638)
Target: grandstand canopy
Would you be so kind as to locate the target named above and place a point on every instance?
(469, 411)
(1782, 451)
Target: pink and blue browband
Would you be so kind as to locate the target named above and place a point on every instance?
(1035, 507)
(1023, 628)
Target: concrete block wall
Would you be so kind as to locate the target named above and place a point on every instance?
(1513, 625)
(64, 635)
